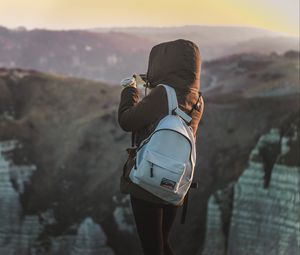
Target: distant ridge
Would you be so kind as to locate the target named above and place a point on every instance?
(109, 54)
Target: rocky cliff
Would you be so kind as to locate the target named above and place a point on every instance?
(266, 210)
(264, 216)
(21, 233)
(39, 185)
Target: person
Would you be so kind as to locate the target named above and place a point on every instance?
(177, 64)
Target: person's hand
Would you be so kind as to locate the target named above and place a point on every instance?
(139, 80)
(134, 81)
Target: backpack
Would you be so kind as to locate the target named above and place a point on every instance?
(165, 160)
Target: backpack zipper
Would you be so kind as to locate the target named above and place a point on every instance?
(151, 170)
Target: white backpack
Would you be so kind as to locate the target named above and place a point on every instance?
(165, 160)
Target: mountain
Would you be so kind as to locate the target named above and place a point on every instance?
(208, 34)
(260, 75)
(79, 53)
(218, 41)
(62, 152)
(112, 54)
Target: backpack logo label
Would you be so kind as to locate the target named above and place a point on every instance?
(166, 183)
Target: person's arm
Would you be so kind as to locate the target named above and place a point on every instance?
(134, 114)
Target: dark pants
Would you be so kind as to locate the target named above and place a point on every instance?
(153, 223)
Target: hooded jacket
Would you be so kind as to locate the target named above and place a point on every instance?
(177, 64)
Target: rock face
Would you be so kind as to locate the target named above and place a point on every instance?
(17, 233)
(215, 238)
(218, 222)
(122, 215)
(90, 239)
(265, 218)
(24, 230)
(266, 214)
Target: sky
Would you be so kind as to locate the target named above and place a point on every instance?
(276, 15)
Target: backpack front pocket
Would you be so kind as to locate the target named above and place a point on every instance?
(160, 171)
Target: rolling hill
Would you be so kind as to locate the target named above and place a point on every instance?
(111, 54)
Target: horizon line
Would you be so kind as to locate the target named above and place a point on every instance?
(148, 27)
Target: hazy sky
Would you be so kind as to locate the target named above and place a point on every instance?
(276, 15)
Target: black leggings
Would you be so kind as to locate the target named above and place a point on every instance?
(153, 223)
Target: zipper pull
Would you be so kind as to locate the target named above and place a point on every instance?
(151, 171)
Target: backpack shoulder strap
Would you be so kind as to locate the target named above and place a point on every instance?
(173, 104)
(172, 99)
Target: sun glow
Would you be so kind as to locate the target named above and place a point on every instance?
(276, 15)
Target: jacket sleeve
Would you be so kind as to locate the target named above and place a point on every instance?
(134, 114)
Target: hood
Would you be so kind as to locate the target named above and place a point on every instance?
(175, 63)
